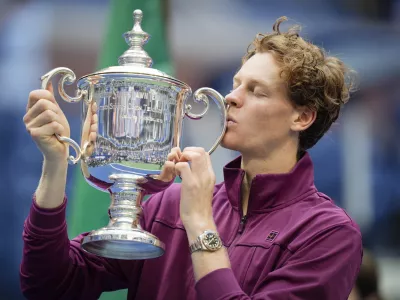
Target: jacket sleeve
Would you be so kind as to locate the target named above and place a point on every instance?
(325, 267)
(54, 267)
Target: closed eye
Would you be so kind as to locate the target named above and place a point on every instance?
(260, 93)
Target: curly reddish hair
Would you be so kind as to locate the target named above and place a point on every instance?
(320, 82)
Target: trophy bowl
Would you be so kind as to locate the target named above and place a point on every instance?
(140, 113)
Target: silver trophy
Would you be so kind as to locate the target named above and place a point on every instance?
(140, 112)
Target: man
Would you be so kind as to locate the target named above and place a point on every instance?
(264, 233)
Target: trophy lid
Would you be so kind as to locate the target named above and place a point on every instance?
(135, 60)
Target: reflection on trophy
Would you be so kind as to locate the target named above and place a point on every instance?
(140, 113)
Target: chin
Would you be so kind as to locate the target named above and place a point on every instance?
(230, 144)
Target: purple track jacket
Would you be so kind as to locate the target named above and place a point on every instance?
(294, 243)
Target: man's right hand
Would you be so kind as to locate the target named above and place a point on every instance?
(43, 119)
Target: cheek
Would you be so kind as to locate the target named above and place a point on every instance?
(276, 117)
(271, 123)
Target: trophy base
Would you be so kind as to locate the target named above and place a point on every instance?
(127, 244)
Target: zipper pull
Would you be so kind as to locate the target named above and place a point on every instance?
(242, 224)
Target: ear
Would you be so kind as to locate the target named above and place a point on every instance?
(303, 118)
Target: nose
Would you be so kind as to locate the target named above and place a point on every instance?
(234, 98)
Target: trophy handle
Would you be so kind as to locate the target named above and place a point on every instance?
(68, 77)
(201, 95)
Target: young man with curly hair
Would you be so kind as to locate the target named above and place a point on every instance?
(270, 233)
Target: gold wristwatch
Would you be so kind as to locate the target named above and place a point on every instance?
(207, 241)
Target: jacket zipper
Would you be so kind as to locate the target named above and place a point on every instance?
(242, 224)
(243, 218)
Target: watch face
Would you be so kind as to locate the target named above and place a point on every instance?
(211, 240)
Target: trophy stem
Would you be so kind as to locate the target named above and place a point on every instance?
(125, 208)
(123, 238)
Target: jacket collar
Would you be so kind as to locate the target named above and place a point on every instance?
(270, 191)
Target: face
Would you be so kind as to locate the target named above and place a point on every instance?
(261, 116)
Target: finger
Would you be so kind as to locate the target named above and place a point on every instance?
(168, 172)
(208, 160)
(92, 137)
(44, 118)
(88, 148)
(195, 149)
(39, 107)
(94, 127)
(175, 154)
(36, 95)
(95, 119)
(183, 170)
(173, 157)
(190, 156)
(177, 150)
(196, 158)
(87, 123)
(94, 107)
(200, 157)
(210, 167)
(49, 87)
(197, 161)
(47, 130)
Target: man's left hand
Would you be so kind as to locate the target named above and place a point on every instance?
(198, 180)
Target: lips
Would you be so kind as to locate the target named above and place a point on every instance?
(231, 119)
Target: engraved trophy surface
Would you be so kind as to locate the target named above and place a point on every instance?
(140, 112)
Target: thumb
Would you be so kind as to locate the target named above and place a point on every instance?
(49, 87)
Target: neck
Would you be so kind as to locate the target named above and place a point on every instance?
(277, 162)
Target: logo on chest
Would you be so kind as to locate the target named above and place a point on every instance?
(272, 236)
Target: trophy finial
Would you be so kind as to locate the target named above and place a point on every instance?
(137, 16)
(136, 39)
